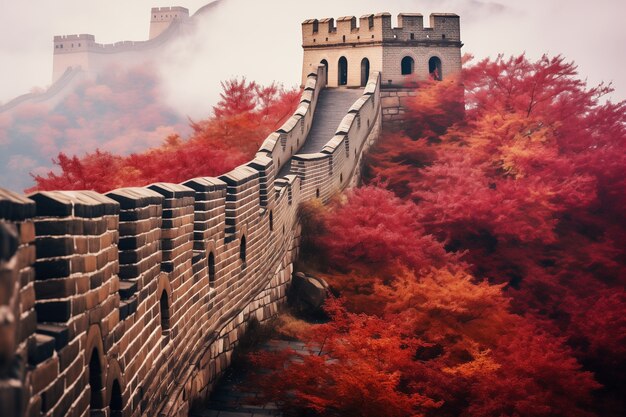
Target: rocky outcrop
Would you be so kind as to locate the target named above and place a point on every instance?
(307, 294)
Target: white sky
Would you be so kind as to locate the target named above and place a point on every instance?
(261, 38)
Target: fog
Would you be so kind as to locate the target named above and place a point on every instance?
(260, 40)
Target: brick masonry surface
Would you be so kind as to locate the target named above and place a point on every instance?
(130, 303)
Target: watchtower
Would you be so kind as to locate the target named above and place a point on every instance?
(162, 17)
(72, 51)
(353, 48)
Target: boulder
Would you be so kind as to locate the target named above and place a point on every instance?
(307, 294)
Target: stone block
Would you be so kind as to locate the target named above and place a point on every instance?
(53, 311)
(390, 102)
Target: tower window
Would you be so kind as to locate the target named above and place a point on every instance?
(434, 68)
(343, 71)
(407, 65)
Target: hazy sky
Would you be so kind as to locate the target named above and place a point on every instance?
(261, 38)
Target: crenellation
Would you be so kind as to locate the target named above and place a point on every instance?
(162, 17)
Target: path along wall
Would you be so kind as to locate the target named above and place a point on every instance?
(130, 303)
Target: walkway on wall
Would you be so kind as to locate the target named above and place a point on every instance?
(332, 106)
(233, 398)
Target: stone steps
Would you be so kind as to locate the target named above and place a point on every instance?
(332, 106)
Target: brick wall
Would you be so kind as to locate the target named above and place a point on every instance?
(131, 303)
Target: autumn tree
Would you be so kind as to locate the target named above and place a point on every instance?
(354, 366)
(496, 249)
(245, 115)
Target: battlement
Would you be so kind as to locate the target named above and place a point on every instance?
(162, 17)
(67, 44)
(377, 28)
(73, 43)
(82, 36)
(168, 13)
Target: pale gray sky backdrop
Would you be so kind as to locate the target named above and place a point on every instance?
(261, 38)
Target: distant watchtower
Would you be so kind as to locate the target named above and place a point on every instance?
(82, 52)
(162, 17)
(410, 52)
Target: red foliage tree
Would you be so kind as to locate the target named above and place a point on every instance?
(526, 196)
(529, 188)
(245, 115)
(383, 230)
(537, 376)
(355, 366)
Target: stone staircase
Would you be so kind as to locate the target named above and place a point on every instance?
(332, 106)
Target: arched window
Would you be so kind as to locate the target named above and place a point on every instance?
(317, 193)
(434, 68)
(95, 381)
(165, 314)
(325, 64)
(365, 71)
(271, 221)
(343, 71)
(115, 405)
(242, 250)
(211, 270)
(408, 65)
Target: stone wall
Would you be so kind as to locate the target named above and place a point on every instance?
(131, 303)
(162, 17)
(394, 104)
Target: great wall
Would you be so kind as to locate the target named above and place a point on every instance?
(130, 303)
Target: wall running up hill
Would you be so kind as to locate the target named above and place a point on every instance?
(130, 303)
